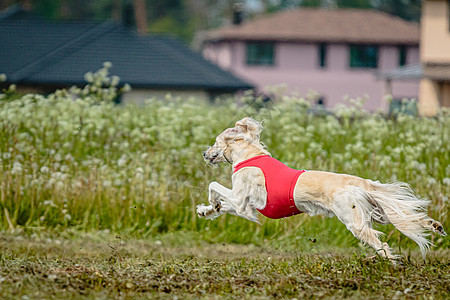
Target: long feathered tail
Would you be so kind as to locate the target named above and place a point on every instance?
(397, 203)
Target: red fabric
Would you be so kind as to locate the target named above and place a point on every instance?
(280, 183)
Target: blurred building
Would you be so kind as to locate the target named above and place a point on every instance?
(435, 56)
(41, 56)
(328, 53)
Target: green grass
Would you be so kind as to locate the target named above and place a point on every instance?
(88, 165)
(104, 266)
(83, 171)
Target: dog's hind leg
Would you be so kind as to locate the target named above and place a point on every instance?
(353, 209)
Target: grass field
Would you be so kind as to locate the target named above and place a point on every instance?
(76, 171)
(104, 266)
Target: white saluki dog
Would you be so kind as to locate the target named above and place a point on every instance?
(355, 201)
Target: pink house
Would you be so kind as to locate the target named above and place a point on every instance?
(332, 54)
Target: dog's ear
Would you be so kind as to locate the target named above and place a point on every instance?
(250, 126)
(232, 131)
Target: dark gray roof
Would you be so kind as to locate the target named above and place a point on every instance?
(437, 71)
(410, 72)
(38, 51)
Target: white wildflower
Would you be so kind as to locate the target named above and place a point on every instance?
(126, 88)
(121, 161)
(17, 168)
(107, 64)
(89, 77)
(106, 183)
(59, 185)
(431, 181)
(446, 181)
(150, 183)
(49, 203)
(115, 80)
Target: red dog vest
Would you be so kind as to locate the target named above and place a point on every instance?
(280, 183)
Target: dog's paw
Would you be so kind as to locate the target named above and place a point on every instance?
(217, 206)
(201, 210)
(207, 212)
(437, 227)
(204, 211)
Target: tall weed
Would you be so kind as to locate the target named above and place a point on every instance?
(75, 159)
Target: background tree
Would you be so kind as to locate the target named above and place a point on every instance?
(183, 18)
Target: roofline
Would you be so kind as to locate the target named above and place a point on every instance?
(233, 33)
(62, 84)
(11, 11)
(309, 41)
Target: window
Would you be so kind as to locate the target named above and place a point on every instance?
(404, 106)
(320, 102)
(260, 53)
(363, 56)
(402, 51)
(322, 55)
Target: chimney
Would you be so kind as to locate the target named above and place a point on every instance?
(238, 13)
(140, 14)
(128, 14)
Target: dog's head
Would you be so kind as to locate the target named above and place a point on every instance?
(251, 128)
(246, 129)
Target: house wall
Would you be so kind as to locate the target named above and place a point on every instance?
(135, 96)
(435, 48)
(138, 96)
(429, 97)
(435, 31)
(296, 66)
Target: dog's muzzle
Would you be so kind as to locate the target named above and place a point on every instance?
(209, 159)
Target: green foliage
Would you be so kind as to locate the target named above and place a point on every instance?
(354, 3)
(171, 26)
(47, 8)
(74, 159)
(184, 18)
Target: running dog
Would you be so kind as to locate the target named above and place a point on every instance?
(265, 185)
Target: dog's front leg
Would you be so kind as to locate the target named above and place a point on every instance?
(235, 202)
(210, 212)
(218, 197)
(218, 194)
(224, 200)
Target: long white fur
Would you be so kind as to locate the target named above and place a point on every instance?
(404, 210)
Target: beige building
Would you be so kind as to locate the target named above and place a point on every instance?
(435, 57)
